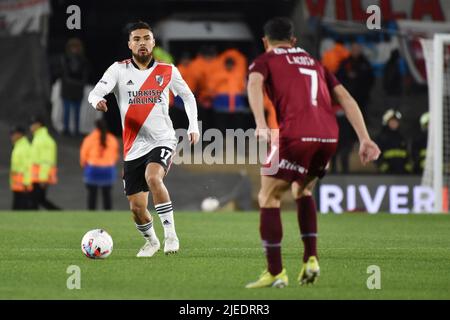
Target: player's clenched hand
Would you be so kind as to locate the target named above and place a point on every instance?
(194, 137)
(101, 106)
(368, 151)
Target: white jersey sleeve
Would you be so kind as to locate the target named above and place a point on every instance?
(106, 84)
(180, 88)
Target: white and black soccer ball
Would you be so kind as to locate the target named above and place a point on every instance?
(97, 244)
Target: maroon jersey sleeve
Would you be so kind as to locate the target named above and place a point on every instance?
(331, 80)
(260, 65)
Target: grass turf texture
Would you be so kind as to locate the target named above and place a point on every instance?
(219, 254)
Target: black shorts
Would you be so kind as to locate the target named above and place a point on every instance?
(134, 170)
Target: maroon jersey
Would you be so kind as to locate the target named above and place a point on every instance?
(299, 87)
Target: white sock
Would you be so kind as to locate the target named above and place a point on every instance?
(165, 213)
(147, 231)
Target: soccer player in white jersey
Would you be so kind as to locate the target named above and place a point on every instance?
(141, 86)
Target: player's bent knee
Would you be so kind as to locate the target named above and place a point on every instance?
(268, 200)
(154, 181)
(137, 209)
(306, 193)
(297, 191)
(302, 193)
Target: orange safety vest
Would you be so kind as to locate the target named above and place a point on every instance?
(94, 154)
(333, 58)
(239, 59)
(52, 175)
(19, 177)
(186, 74)
(43, 157)
(18, 183)
(230, 83)
(202, 71)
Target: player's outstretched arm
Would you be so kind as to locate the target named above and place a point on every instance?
(368, 150)
(256, 99)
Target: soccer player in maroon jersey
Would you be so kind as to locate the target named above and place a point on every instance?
(302, 92)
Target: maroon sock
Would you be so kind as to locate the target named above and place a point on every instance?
(271, 234)
(307, 220)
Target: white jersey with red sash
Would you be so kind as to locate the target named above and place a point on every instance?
(143, 99)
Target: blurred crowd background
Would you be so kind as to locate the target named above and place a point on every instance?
(48, 69)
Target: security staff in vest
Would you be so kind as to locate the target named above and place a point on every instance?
(20, 173)
(99, 154)
(419, 145)
(394, 158)
(43, 168)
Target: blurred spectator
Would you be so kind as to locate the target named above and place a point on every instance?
(357, 76)
(240, 61)
(419, 145)
(185, 68)
(99, 154)
(202, 69)
(43, 169)
(20, 172)
(347, 139)
(74, 68)
(178, 114)
(161, 55)
(394, 78)
(333, 57)
(394, 158)
(228, 86)
(218, 82)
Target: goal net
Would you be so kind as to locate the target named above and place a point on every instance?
(437, 165)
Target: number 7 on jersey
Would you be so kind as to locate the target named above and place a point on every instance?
(314, 83)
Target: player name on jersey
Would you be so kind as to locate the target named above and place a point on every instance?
(301, 60)
(288, 50)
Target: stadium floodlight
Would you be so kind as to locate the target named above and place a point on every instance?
(437, 166)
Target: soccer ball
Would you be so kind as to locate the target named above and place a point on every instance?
(210, 204)
(97, 244)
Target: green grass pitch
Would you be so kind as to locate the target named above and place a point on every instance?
(220, 253)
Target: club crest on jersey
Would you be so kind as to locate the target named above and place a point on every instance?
(159, 80)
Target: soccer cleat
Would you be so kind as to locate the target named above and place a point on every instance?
(149, 249)
(310, 272)
(171, 245)
(268, 280)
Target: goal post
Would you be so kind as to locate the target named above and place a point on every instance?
(437, 171)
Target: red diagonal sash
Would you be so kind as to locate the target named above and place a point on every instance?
(138, 113)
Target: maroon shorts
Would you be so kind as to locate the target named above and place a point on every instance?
(300, 158)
